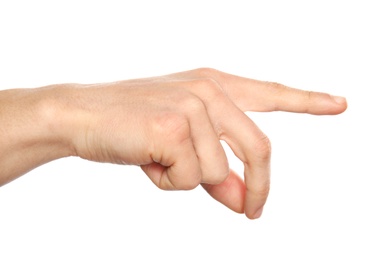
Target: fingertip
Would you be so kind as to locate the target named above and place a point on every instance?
(254, 214)
(326, 104)
(339, 100)
(341, 103)
(258, 213)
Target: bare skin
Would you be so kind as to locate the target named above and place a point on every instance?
(171, 126)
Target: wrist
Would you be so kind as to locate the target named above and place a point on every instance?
(32, 130)
(56, 118)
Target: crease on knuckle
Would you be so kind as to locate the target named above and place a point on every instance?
(276, 86)
(261, 149)
(275, 89)
(261, 192)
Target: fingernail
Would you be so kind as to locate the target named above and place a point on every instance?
(339, 100)
(258, 213)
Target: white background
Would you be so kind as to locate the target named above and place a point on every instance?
(330, 187)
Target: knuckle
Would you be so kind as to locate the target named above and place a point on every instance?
(192, 104)
(172, 127)
(309, 95)
(206, 72)
(207, 82)
(276, 86)
(222, 173)
(186, 183)
(260, 191)
(210, 86)
(189, 185)
(221, 177)
(262, 147)
(263, 192)
(215, 179)
(275, 89)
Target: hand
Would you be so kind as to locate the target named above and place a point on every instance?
(171, 126)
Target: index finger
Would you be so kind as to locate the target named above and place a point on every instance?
(270, 96)
(263, 96)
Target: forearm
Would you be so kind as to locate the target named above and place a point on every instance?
(30, 131)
